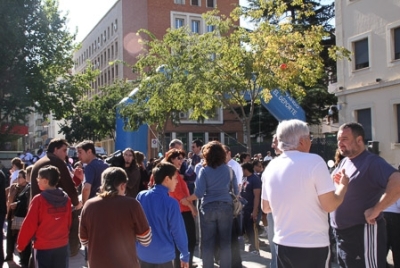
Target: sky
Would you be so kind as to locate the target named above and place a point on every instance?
(85, 14)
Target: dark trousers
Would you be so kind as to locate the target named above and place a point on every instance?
(191, 236)
(294, 257)
(356, 242)
(248, 226)
(2, 218)
(393, 235)
(144, 264)
(74, 244)
(51, 258)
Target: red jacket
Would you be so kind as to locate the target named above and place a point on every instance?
(45, 224)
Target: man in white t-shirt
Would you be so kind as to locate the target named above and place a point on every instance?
(299, 191)
(234, 165)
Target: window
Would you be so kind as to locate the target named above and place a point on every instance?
(195, 26)
(179, 23)
(364, 118)
(210, 28)
(396, 35)
(195, 3)
(230, 138)
(398, 122)
(210, 3)
(361, 54)
(180, 2)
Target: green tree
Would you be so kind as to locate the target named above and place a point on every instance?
(229, 67)
(303, 15)
(36, 60)
(95, 118)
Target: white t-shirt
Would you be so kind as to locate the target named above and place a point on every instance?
(237, 169)
(291, 184)
(394, 208)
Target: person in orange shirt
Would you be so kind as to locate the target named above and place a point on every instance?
(176, 157)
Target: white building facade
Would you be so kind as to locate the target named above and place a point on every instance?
(368, 86)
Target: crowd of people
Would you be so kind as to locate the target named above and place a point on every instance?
(127, 214)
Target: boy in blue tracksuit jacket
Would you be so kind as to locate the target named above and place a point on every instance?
(165, 219)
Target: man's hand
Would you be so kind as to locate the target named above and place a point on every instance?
(341, 177)
(184, 264)
(370, 215)
(185, 202)
(254, 215)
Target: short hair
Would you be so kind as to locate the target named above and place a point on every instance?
(173, 153)
(256, 162)
(356, 129)
(248, 166)
(50, 173)
(162, 170)
(111, 179)
(23, 173)
(214, 154)
(139, 157)
(289, 133)
(226, 148)
(198, 142)
(243, 156)
(17, 162)
(87, 145)
(56, 143)
(175, 142)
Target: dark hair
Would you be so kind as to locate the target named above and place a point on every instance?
(198, 142)
(243, 156)
(23, 173)
(256, 162)
(214, 154)
(56, 143)
(17, 162)
(134, 159)
(87, 145)
(163, 170)
(356, 129)
(50, 173)
(248, 166)
(173, 153)
(139, 157)
(111, 178)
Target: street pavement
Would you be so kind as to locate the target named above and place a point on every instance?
(249, 260)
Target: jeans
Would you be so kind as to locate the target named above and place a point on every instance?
(55, 257)
(272, 247)
(216, 223)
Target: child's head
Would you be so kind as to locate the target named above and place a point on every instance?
(165, 173)
(112, 178)
(48, 177)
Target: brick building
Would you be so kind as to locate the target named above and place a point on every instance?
(114, 38)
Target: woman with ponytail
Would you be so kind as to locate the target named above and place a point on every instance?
(112, 222)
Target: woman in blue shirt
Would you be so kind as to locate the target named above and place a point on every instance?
(213, 185)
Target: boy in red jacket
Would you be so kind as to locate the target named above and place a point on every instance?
(48, 222)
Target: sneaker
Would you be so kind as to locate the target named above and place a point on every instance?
(264, 234)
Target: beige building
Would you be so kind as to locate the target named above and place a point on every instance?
(368, 86)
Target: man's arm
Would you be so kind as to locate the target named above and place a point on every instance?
(392, 193)
(265, 206)
(86, 192)
(331, 200)
(256, 202)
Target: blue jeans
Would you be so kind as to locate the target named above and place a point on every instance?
(216, 223)
(270, 220)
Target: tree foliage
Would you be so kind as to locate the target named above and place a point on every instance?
(229, 67)
(95, 118)
(35, 70)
